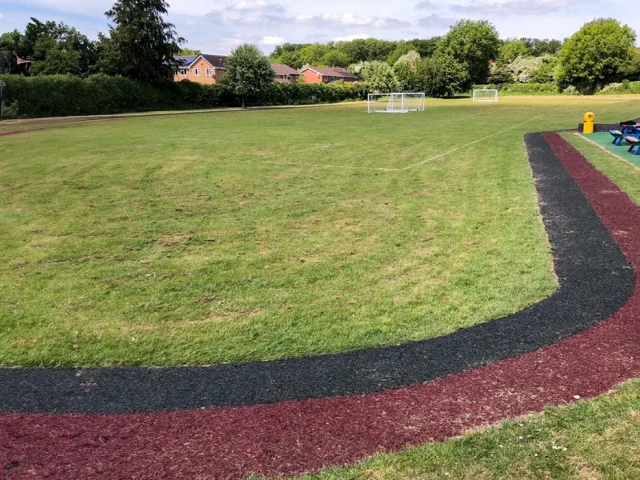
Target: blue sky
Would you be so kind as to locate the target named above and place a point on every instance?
(217, 26)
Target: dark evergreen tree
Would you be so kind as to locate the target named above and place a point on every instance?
(143, 45)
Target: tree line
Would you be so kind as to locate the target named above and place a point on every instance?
(472, 53)
(141, 45)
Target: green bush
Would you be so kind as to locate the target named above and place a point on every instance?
(66, 95)
(524, 88)
(625, 87)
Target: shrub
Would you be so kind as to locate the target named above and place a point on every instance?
(571, 90)
(524, 88)
(62, 95)
(625, 87)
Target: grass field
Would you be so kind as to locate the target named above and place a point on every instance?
(236, 236)
(593, 439)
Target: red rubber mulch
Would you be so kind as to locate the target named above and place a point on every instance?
(295, 437)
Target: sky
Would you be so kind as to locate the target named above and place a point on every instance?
(218, 26)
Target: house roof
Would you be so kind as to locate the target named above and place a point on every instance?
(216, 61)
(283, 69)
(185, 60)
(344, 72)
(331, 72)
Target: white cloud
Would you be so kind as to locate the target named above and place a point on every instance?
(516, 7)
(328, 20)
(1, 16)
(272, 40)
(235, 41)
(436, 22)
(348, 38)
(426, 5)
(260, 5)
(261, 13)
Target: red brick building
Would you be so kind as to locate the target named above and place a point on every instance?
(326, 75)
(285, 74)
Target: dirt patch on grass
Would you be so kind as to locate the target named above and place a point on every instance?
(173, 240)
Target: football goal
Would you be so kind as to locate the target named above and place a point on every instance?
(396, 102)
(485, 95)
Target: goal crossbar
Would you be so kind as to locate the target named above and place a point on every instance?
(395, 102)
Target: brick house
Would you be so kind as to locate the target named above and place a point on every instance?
(326, 75)
(285, 74)
(207, 69)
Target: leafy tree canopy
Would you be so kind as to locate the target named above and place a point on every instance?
(188, 52)
(444, 76)
(512, 50)
(379, 76)
(54, 48)
(248, 71)
(596, 55)
(472, 44)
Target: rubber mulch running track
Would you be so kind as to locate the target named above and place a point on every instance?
(305, 435)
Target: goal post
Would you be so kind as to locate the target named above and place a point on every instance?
(395, 102)
(485, 95)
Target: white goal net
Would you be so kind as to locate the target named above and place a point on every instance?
(396, 102)
(485, 95)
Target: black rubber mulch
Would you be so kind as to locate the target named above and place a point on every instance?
(595, 277)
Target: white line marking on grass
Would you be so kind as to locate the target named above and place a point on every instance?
(356, 167)
(468, 144)
(317, 147)
(326, 165)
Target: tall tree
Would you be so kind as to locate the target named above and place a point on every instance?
(473, 44)
(289, 54)
(334, 58)
(248, 72)
(379, 76)
(11, 44)
(542, 47)
(512, 50)
(425, 47)
(145, 45)
(313, 54)
(596, 55)
(405, 70)
(443, 76)
(356, 50)
(56, 48)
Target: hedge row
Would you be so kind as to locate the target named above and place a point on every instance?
(524, 88)
(62, 95)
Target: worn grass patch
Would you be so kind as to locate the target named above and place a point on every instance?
(226, 237)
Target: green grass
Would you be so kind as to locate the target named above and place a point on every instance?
(224, 237)
(594, 439)
(604, 140)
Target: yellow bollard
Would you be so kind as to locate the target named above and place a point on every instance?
(589, 122)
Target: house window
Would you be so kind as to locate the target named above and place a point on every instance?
(183, 72)
(288, 77)
(198, 72)
(209, 72)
